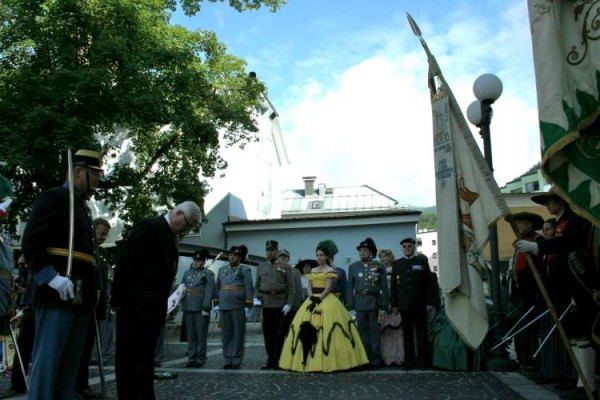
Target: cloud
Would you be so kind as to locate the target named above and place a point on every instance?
(369, 123)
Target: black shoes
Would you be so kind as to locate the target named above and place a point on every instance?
(88, 393)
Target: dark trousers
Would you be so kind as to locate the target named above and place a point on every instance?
(370, 333)
(134, 358)
(274, 330)
(25, 344)
(414, 328)
(83, 374)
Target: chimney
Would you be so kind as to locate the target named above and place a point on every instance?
(309, 185)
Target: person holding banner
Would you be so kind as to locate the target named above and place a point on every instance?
(574, 244)
(63, 302)
(142, 283)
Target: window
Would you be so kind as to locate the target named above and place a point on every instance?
(434, 255)
(419, 242)
(315, 205)
(433, 242)
(435, 268)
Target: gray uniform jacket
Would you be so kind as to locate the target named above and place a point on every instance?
(367, 287)
(234, 288)
(199, 290)
(275, 284)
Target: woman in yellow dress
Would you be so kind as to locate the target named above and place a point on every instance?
(323, 336)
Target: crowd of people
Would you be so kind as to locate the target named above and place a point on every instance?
(316, 316)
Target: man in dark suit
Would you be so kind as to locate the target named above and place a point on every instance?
(411, 293)
(62, 303)
(142, 283)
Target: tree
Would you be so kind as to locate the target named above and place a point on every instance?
(107, 73)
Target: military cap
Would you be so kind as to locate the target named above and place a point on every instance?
(542, 198)
(408, 240)
(201, 254)
(271, 244)
(88, 158)
(369, 244)
(536, 221)
(284, 252)
(240, 250)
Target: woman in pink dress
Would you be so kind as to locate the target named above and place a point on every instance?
(392, 340)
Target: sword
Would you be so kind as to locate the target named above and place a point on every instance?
(77, 299)
(520, 330)
(14, 339)
(99, 351)
(552, 331)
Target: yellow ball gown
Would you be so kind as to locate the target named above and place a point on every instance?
(336, 342)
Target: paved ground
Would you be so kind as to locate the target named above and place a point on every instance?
(212, 382)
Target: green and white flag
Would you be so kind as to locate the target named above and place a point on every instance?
(566, 52)
(468, 202)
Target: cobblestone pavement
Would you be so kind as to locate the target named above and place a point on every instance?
(250, 382)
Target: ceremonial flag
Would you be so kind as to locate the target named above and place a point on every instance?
(566, 53)
(468, 202)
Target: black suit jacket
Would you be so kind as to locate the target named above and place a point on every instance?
(145, 271)
(411, 287)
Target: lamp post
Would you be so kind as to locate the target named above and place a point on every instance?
(487, 89)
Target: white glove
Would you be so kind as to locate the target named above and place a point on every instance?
(63, 286)
(205, 313)
(286, 309)
(247, 310)
(352, 314)
(526, 246)
(256, 302)
(216, 308)
(5, 204)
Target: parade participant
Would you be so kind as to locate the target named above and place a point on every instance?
(101, 230)
(284, 255)
(411, 293)
(341, 283)
(322, 337)
(142, 283)
(305, 266)
(275, 291)
(198, 291)
(62, 309)
(574, 245)
(392, 340)
(524, 290)
(368, 298)
(234, 300)
(7, 264)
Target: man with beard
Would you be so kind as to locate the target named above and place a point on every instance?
(276, 291)
(367, 298)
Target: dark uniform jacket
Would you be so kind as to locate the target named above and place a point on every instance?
(45, 245)
(411, 287)
(524, 288)
(146, 269)
(275, 285)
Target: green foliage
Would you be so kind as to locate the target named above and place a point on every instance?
(77, 74)
(428, 221)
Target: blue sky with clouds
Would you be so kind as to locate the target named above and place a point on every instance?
(349, 80)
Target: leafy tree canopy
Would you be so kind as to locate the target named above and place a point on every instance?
(110, 74)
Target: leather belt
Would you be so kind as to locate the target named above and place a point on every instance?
(57, 251)
(196, 291)
(368, 292)
(232, 288)
(272, 291)
(318, 290)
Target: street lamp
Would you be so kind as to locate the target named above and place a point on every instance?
(487, 89)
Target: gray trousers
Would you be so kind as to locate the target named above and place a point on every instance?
(196, 327)
(233, 332)
(370, 333)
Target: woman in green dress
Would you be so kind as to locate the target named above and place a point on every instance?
(323, 336)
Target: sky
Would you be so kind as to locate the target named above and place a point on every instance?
(349, 81)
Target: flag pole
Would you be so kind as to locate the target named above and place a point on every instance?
(553, 313)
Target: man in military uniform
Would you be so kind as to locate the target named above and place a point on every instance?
(142, 283)
(284, 255)
(367, 298)
(63, 304)
(276, 291)
(198, 285)
(411, 293)
(234, 291)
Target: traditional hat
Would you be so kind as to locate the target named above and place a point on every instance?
(201, 254)
(241, 250)
(536, 221)
(301, 263)
(271, 244)
(284, 252)
(328, 246)
(369, 244)
(408, 240)
(88, 158)
(542, 198)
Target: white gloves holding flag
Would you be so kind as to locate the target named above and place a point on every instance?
(216, 309)
(353, 314)
(205, 313)
(63, 286)
(525, 246)
(256, 302)
(286, 309)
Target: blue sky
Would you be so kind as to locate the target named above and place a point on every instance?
(349, 80)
